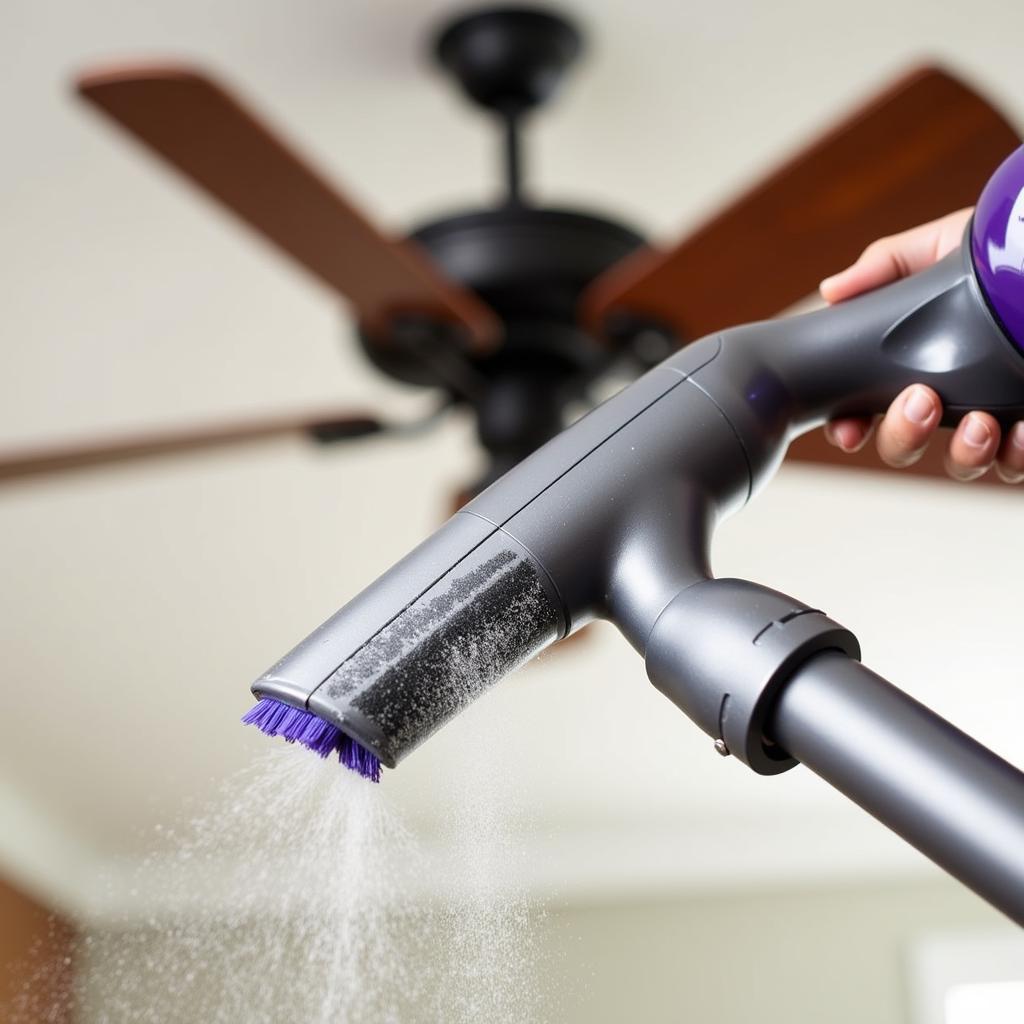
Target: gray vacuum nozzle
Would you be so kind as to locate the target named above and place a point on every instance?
(613, 517)
(423, 662)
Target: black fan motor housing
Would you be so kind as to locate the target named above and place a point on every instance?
(530, 266)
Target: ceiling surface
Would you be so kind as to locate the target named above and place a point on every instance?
(139, 602)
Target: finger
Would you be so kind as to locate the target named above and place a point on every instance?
(880, 263)
(973, 446)
(850, 434)
(897, 256)
(1010, 461)
(907, 427)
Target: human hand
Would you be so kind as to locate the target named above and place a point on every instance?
(908, 425)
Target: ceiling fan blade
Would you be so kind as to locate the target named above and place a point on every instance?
(922, 148)
(39, 460)
(203, 131)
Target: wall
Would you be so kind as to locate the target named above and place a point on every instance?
(802, 955)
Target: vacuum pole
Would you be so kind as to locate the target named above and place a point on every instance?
(950, 797)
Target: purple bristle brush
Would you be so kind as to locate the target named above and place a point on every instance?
(276, 719)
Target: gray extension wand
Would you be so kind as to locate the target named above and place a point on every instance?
(612, 519)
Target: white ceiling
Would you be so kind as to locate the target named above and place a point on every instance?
(140, 602)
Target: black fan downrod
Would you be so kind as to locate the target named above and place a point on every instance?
(509, 60)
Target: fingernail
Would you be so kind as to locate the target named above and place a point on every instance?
(976, 432)
(919, 406)
(826, 283)
(844, 441)
(1017, 436)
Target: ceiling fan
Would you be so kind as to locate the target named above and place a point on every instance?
(518, 311)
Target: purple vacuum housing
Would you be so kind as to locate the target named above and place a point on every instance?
(997, 245)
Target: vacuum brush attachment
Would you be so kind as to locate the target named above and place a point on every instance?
(461, 611)
(273, 718)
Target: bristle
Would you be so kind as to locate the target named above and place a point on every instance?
(295, 725)
(359, 759)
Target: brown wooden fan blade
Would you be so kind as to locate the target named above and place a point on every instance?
(202, 130)
(39, 460)
(922, 148)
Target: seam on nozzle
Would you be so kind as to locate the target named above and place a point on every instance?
(586, 455)
(736, 434)
(406, 606)
(564, 608)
